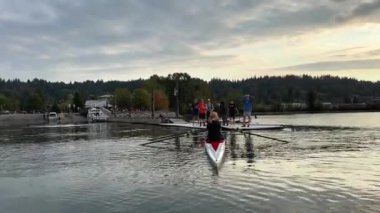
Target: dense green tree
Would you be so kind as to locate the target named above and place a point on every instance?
(4, 102)
(266, 90)
(312, 99)
(141, 99)
(151, 85)
(122, 98)
(78, 102)
(55, 108)
(355, 100)
(35, 102)
(14, 104)
(347, 99)
(236, 96)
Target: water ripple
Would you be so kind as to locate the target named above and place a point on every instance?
(105, 168)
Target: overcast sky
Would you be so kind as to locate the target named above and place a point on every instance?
(78, 40)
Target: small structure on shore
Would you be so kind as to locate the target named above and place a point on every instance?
(98, 114)
(99, 110)
(53, 116)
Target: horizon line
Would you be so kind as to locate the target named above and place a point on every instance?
(194, 77)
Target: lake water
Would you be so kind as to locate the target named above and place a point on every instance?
(331, 164)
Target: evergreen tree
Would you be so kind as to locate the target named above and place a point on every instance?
(78, 102)
(122, 98)
(141, 99)
(55, 108)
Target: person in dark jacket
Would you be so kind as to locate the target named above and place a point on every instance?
(214, 128)
(232, 111)
(195, 111)
(223, 113)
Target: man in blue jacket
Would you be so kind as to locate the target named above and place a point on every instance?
(247, 110)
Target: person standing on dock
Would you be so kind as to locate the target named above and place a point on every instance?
(247, 110)
(210, 108)
(195, 110)
(202, 112)
(223, 113)
(232, 111)
(214, 128)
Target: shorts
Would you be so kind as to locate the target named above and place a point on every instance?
(247, 113)
(202, 115)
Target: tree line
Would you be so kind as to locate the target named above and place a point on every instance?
(40, 95)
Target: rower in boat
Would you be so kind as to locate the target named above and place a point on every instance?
(214, 128)
(215, 144)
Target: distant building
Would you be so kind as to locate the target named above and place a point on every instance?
(105, 97)
(293, 106)
(97, 103)
(102, 101)
(369, 99)
(358, 106)
(327, 105)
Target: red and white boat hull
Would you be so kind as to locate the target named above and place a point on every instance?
(215, 150)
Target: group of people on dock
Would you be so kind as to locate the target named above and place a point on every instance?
(214, 126)
(202, 110)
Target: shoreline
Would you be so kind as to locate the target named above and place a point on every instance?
(38, 119)
(299, 112)
(74, 118)
(313, 112)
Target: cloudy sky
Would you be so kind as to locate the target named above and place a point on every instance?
(77, 40)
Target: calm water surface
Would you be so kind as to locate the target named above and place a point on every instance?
(331, 164)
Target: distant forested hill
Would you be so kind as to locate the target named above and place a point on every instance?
(38, 95)
(295, 88)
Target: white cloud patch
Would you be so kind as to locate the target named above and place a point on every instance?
(336, 65)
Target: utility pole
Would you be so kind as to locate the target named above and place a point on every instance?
(176, 93)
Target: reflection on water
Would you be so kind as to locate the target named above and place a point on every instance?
(249, 147)
(109, 167)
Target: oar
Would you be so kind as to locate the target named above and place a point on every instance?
(168, 137)
(267, 137)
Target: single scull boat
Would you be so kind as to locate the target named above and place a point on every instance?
(215, 151)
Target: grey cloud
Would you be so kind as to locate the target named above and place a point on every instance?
(361, 10)
(353, 52)
(38, 36)
(336, 65)
(279, 22)
(374, 52)
(366, 8)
